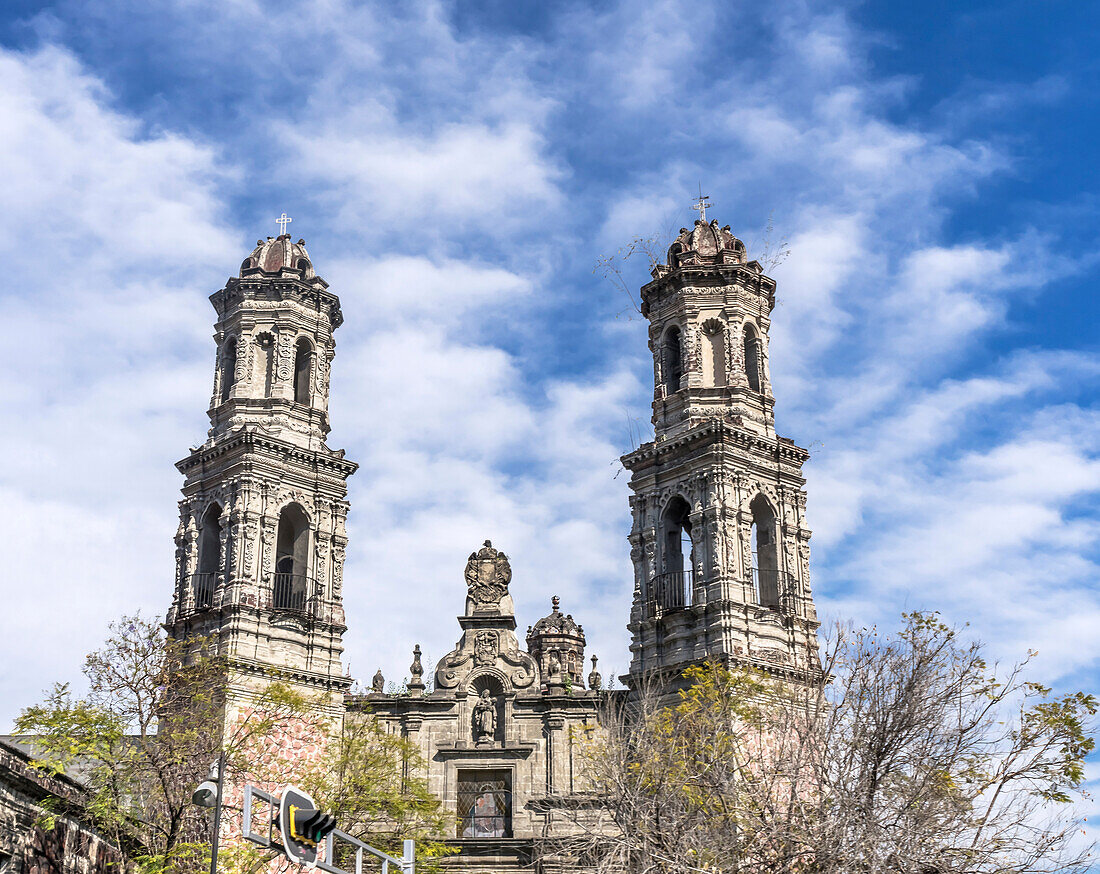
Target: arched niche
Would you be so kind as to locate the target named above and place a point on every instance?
(714, 353)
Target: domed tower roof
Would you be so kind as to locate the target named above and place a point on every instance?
(278, 256)
(704, 245)
(557, 643)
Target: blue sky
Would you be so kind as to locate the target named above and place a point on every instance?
(456, 170)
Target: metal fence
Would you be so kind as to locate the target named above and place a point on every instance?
(671, 592)
(202, 585)
(291, 592)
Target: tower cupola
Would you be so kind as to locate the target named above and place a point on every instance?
(278, 256)
(703, 245)
(558, 638)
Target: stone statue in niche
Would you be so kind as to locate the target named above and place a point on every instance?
(379, 682)
(554, 667)
(485, 718)
(487, 575)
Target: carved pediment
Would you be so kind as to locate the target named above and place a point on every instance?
(494, 651)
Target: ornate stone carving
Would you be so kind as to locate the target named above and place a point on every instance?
(525, 676)
(337, 571)
(485, 648)
(323, 361)
(267, 540)
(446, 674)
(285, 356)
(378, 683)
(250, 533)
(487, 575)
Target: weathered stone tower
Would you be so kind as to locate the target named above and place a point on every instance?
(261, 541)
(719, 541)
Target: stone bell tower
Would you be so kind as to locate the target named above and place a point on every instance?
(719, 540)
(261, 540)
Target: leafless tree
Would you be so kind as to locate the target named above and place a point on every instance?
(915, 756)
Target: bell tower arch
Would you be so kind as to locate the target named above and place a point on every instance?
(261, 540)
(719, 541)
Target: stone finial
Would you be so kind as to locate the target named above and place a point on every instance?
(594, 678)
(554, 602)
(379, 682)
(416, 672)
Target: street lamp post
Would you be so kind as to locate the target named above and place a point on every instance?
(209, 794)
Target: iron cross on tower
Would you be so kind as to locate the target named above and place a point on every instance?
(282, 221)
(701, 205)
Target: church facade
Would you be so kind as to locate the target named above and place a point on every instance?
(719, 542)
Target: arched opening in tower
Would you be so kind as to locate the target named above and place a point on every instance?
(672, 361)
(303, 361)
(229, 367)
(210, 551)
(676, 583)
(752, 357)
(291, 581)
(765, 558)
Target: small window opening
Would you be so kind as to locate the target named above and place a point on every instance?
(672, 363)
(303, 366)
(752, 357)
(246, 264)
(303, 265)
(229, 367)
(765, 556)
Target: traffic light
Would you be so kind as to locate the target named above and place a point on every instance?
(310, 825)
(303, 826)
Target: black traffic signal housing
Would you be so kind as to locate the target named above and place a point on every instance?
(302, 825)
(310, 826)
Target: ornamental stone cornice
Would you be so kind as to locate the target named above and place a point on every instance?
(248, 439)
(264, 293)
(707, 280)
(714, 431)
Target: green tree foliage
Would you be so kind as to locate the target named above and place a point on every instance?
(154, 719)
(915, 757)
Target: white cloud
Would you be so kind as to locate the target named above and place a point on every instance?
(104, 224)
(470, 173)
